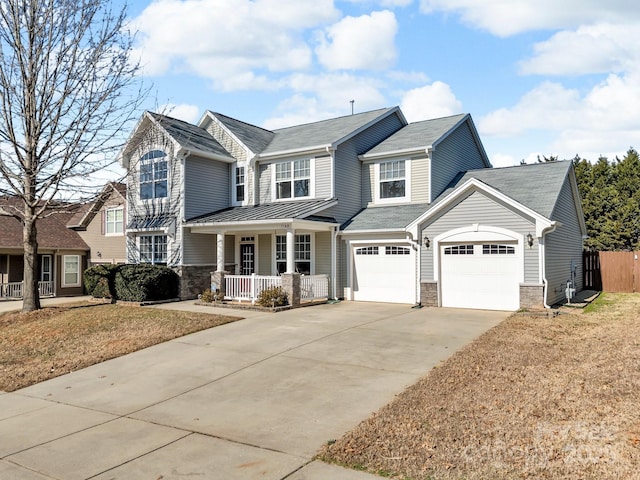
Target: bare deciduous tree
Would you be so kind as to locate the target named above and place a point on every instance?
(68, 88)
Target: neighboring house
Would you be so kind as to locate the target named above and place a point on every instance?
(62, 254)
(389, 211)
(101, 225)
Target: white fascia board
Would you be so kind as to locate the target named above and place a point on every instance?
(203, 154)
(396, 153)
(326, 148)
(377, 231)
(268, 225)
(209, 114)
(541, 221)
(121, 156)
(474, 133)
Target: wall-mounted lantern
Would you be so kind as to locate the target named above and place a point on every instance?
(529, 239)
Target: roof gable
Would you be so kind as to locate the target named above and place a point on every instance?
(417, 136)
(88, 211)
(252, 137)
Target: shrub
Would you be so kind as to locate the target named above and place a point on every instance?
(208, 296)
(273, 297)
(99, 280)
(142, 282)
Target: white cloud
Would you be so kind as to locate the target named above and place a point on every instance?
(590, 49)
(224, 40)
(431, 101)
(359, 43)
(318, 97)
(508, 17)
(186, 112)
(602, 121)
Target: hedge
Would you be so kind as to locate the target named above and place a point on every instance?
(132, 283)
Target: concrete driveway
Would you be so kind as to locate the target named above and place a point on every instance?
(254, 399)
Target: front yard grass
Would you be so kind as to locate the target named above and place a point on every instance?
(53, 341)
(535, 397)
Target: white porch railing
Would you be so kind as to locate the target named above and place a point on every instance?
(13, 290)
(248, 287)
(314, 287)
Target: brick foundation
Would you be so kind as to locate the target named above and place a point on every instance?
(531, 295)
(429, 294)
(194, 280)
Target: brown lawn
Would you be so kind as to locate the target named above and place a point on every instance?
(53, 341)
(535, 397)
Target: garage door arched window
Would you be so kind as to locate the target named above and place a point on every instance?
(459, 250)
(494, 249)
(367, 251)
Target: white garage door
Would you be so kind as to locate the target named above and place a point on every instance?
(384, 273)
(484, 276)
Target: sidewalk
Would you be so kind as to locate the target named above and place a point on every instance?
(11, 305)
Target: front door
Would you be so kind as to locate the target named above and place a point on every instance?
(247, 258)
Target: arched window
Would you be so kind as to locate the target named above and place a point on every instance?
(153, 175)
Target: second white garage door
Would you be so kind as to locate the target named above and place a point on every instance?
(384, 273)
(484, 276)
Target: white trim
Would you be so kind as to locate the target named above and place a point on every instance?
(296, 233)
(541, 222)
(291, 162)
(234, 200)
(106, 221)
(407, 182)
(256, 250)
(42, 271)
(64, 271)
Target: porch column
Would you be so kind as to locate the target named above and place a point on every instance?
(291, 251)
(220, 252)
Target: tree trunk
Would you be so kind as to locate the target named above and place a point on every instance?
(30, 292)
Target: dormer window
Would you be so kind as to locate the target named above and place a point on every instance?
(153, 175)
(393, 181)
(293, 179)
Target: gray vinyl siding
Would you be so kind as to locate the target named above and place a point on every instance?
(264, 182)
(477, 208)
(230, 253)
(458, 152)
(206, 186)
(368, 184)
(265, 254)
(323, 253)
(323, 177)
(420, 180)
(348, 167)
(230, 145)
(563, 246)
(198, 248)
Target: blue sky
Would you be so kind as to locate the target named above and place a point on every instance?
(539, 77)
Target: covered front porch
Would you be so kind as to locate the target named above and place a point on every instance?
(12, 271)
(251, 255)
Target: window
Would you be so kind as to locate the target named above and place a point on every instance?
(71, 271)
(367, 251)
(391, 250)
(153, 175)
(293, 179)
(302, 254)
(498, 250)
(113, 219)
(392, 179)
(459, 250)
(239, 180)
(153, 249)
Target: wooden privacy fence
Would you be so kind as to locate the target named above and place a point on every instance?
(612, 271)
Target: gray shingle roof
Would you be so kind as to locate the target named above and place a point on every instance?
(256, 138)
(266, 211)
(325, 132)
(190, 136)
(536, 186)
(390, 217)
(418, 135)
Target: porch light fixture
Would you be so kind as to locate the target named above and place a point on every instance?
(426, 242)
(529, 239)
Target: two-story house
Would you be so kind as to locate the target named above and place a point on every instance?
(389, 211)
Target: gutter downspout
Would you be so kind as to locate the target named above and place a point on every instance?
(334, 262)
(543, 263)
(415, 244)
